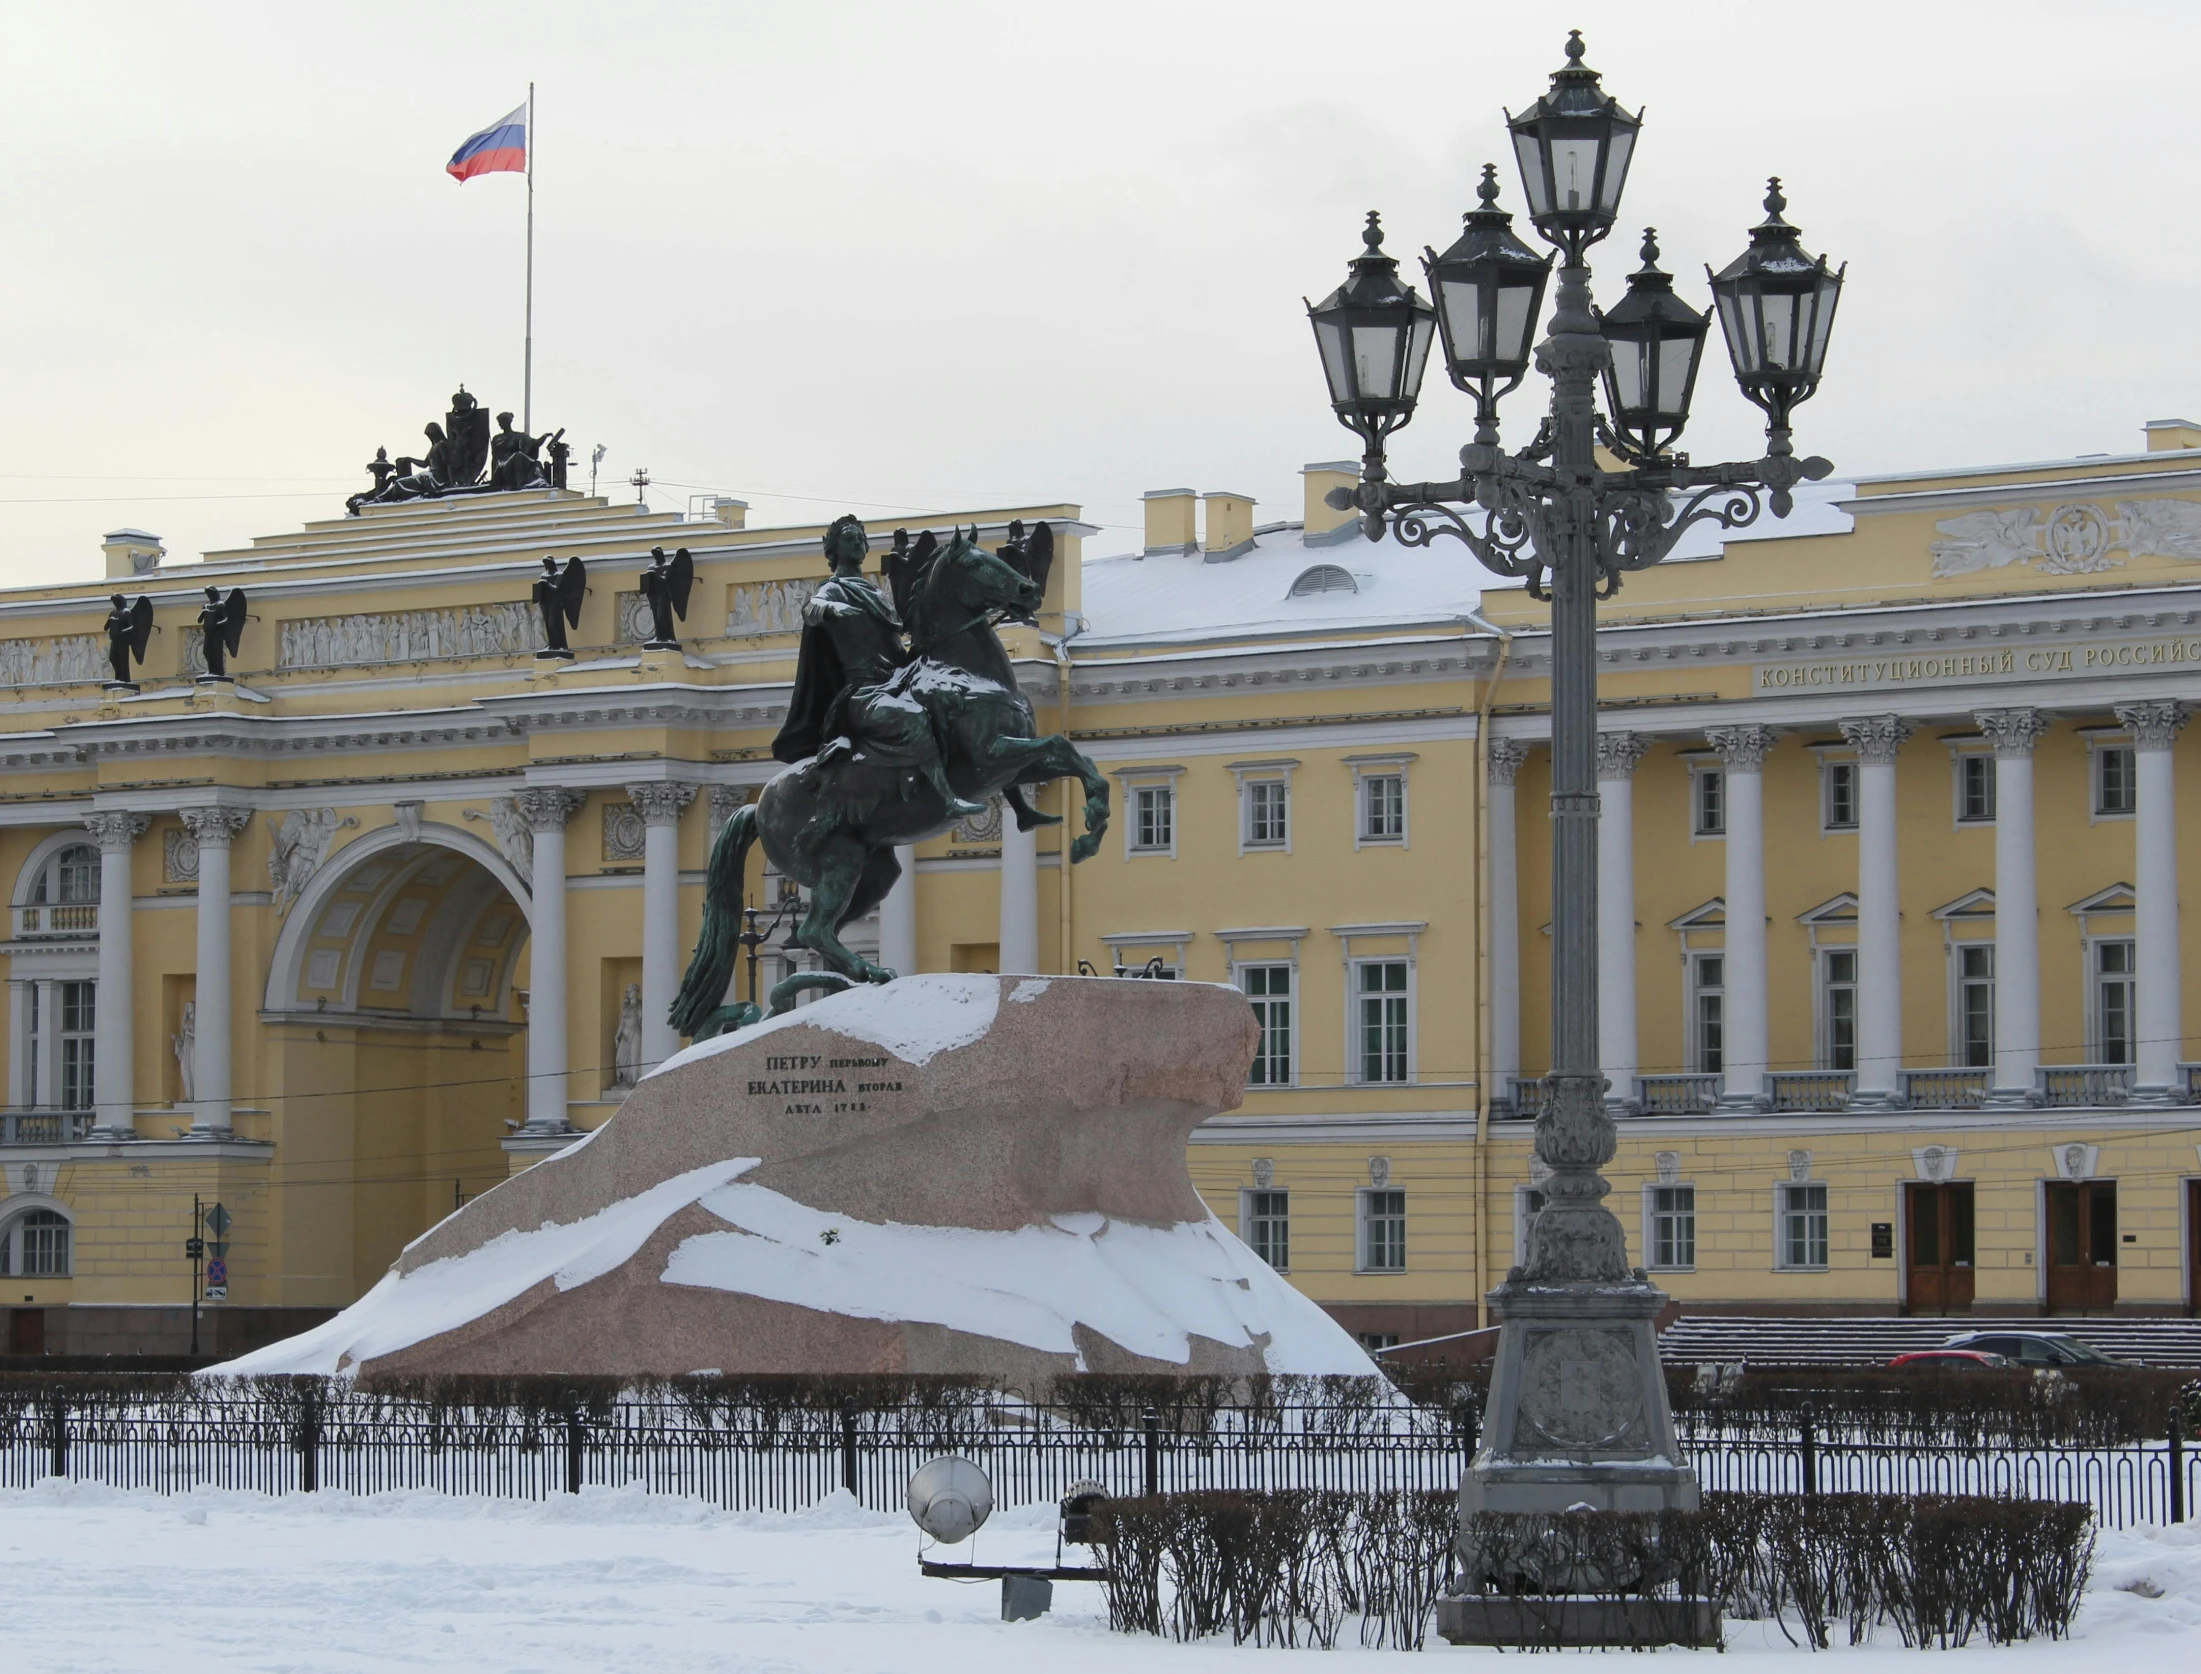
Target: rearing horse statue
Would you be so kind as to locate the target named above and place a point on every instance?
(832, 822)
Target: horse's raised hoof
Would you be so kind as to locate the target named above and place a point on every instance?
(1031, 819)
(877, 973)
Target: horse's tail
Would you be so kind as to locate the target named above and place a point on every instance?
(703, 989)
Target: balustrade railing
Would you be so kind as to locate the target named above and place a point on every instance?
(1677, 1095)
(2073, 1086)
(43, 1127)
(1946, 1089)
(63, 918)
(1811, 1090)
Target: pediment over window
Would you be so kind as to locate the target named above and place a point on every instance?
(1977, 903)
(1841, 910)
(1712, 915)
(2117, 898)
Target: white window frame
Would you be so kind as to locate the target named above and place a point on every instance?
(1651, 1216)
(1823, 989)
(1368, 768)
(1350, 934)
(43, 866)
(1962, 751)
(1957, 984)
(1702, 767)
(1356, 1065)
(2096, 1042)
(1363, 1220)
(1782, 1192)
(1692, 987)
(1130, 781)
(1832, 765)
(1292, 1000)
(1246, 1195)
(1133, 949)
(11, 1238)
(2101, 744)
(1263, 772)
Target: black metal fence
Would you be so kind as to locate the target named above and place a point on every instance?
(780, 1459)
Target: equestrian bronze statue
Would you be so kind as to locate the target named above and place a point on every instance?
(890, 739)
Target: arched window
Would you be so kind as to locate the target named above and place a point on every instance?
(36, 1246)
(65, 898)
(1324, 578)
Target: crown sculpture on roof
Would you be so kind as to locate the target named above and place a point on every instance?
(458, 451)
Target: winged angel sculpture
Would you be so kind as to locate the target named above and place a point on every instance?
(889, 739)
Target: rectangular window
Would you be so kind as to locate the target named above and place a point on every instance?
(1708, 802)
(1838, 1007)
(77, 1007)
(1381, 998)
(2114, 789)
(1804, 1226)
(1269, 1227)
(1975, 788)
(1268, 988)
(1153, 819)
(1383, 808)
(1975, 1005)
(1673, 1237)
(1383, 1231)
(2113, 995)
(1375, 1342)
(45, 1238)
(1707, 1013)
(1267, 813)
(1838, 795)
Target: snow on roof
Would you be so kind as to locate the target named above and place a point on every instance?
(1278, 586)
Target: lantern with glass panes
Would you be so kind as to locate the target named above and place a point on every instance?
(1571, 520)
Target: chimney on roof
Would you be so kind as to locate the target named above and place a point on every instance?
(1318, 480)
(733, 513)
(1229, 530)
(131, 552)
(1169, 521)
(2172, 435)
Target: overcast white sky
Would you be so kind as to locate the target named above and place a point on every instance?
(929, 256)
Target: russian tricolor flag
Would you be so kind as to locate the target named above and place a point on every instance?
(500, 148)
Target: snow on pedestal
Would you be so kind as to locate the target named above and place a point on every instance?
(947, 1174)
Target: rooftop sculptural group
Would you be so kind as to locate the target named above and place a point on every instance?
(458, 450)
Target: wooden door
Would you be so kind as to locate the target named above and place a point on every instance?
(27, 1331)
(2082, 1246)
(1939, 1248)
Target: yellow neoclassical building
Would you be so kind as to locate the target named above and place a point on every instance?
(1891, 857)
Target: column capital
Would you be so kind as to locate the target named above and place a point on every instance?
(1505, 756)
(1619, 752)
(2153, 725)
(1743, 748)
(2013, 732)
(661, 801)
(547, 807)
(117, 831)
(214, 828)
(1876, 737)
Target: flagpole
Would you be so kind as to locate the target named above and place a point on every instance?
(527, 366)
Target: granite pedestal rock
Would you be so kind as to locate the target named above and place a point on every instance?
(971, 1175)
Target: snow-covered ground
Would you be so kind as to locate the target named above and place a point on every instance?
(101, 1578)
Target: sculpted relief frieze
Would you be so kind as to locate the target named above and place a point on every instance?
(2074, 539)
(507, 628)
(50, 662)
(767, 607)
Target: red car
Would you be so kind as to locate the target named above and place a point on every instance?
(1927, 1360)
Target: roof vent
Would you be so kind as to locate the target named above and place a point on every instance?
(1324, 578)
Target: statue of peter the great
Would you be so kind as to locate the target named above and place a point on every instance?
(853, 697)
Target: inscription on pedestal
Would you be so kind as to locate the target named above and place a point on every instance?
(813, 1084)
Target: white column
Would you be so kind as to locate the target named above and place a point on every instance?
(2014, 732)
(114, 1094)
(2161, 1001)
(546, 809)
(213, 829)
(1746, 1047)
(898, 915)
(47, 1090)
(661, 803)
(1617, 756)
(1877, 739)
(1504, 756)
(1019, 898)
(22, 1093)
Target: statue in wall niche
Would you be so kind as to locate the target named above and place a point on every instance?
(665, 588)
(129, 631)
(887, 741)
(626, 1050)
(558, 597)
(185, 1041)
(222, 627)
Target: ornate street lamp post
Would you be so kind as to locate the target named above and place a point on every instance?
(1577, 1412)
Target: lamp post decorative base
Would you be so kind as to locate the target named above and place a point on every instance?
(1578, 1416)
(1544, 1622)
